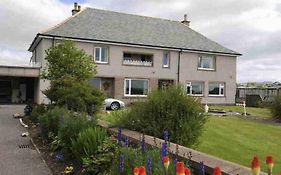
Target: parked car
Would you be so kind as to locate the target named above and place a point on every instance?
(113, 104)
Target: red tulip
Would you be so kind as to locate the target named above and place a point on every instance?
(166, 161)
(142, 170)
(217, 171)
(270, 164)
(180, 168)
(187, 171)
(256, 166)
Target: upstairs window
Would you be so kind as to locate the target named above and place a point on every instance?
(166, 59)
(137, 59)
(216, 89)
(194, 88)
(101, 54)
(206, 62)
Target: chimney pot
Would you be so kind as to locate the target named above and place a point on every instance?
(77, 8)
(75, 5)
(185, 21)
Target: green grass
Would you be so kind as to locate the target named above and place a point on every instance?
(238, 140)
(260, 112)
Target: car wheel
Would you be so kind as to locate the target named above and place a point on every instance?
(114, 106)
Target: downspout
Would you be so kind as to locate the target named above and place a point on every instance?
(179, 59)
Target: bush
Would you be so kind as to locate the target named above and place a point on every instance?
(70, 128)
(37, 111)
(51, 121)
(276, 107)
(87, 142)
(169, 109)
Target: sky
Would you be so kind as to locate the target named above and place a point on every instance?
(250, 27)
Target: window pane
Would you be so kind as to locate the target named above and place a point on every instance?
(166, 59)
(214, 89)
(188, 90)
(95, 82)
(206, 62)
(97, 54)
(104, 54)
(127, 92)
(139, 87)
(197, 88)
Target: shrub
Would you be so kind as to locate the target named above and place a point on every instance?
(276, 107)
(169, 109)
(51, 120)
(87, 142)
(37, 111)
(101, 163)
(70, 128)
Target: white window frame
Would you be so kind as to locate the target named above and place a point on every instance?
(130, 81)
(168, 63)
(189, 84)
(99, 61)
(200, 66)
(221, 87)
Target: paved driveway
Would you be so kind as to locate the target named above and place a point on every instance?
(15, 160)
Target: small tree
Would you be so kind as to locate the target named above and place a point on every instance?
(69, 70)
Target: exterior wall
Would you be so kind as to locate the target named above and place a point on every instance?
(225, 70)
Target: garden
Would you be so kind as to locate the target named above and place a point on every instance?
(71, 140)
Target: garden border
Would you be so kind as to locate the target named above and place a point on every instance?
(227, 167)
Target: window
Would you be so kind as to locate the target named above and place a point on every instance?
(137, 59)
(206, 62)
(135, 87)
(194, 88)
(166, 59)
(101, 54)
(216, 89)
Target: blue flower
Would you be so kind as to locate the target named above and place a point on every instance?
(175, 162)
(202, 169)
(121, 163)
(143, 144)
(59, 157)
(126, 142)
(149, 166)
(166, 135)
(119, 135)
(164, 149)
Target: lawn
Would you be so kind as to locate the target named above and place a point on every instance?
(260, 112)
(238, 140)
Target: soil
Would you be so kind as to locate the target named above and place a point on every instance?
(56, 167)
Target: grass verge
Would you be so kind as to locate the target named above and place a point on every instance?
(238, 140)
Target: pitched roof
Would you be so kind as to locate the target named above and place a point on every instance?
(103, 25)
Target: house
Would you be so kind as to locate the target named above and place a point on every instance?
(136, 54)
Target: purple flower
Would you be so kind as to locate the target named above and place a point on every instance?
(175, 162)
(59, 157)
(164, 149)
(121, 163)
(202, 169)
(119, 135)
(143, 144)
(166, 135)
(126, 142)
(149, 166)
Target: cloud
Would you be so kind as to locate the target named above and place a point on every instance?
(251, 27)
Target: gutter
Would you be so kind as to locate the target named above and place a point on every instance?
(39, 35)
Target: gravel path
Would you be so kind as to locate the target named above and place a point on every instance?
(16, 160)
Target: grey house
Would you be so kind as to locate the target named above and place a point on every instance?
(136, 54)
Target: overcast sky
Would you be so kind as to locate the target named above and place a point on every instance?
(251, 27)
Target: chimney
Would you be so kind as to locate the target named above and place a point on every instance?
(185, 21)
(77, 8)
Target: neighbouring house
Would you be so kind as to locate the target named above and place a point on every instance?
(136, 54)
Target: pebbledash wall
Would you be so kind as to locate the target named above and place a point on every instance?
(225, 70)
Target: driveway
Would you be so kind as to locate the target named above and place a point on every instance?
(13, 159)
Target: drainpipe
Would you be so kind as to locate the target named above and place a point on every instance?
(179, 59)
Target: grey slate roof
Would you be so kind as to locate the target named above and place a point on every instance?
(95, 24)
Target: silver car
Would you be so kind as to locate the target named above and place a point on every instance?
(113, 104)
